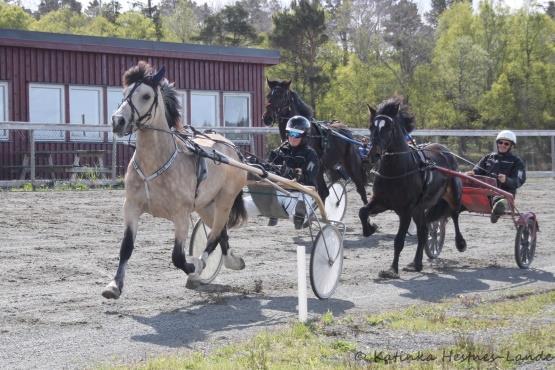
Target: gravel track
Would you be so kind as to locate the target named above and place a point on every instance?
(59, 249)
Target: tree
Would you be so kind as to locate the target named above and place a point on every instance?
(94, 9)
(63, 20)
(152, 12)
(14, 17)
(300, 33)
(47, 6)
(182, 25)
(550, 11)
(339, 24)
(259, 14)
(99, 26)
(134, 25)
(111, 10)
(229, 27)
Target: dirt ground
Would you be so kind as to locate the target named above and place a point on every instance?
(59, 249)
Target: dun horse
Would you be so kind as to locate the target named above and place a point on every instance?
(163, 177)
(407, 184)
(284, 103)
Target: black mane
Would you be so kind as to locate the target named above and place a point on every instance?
(304, 109)
(143, 72)
(396, 106)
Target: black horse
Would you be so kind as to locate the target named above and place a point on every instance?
(406, 182)
(284, 103)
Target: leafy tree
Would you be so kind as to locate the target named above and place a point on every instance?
(14, 17)
(134, 25)
(182, 25)
(259, 14)
(152, 12)
(63, 20)
(94, 9)
(550, 11)
(47, 6)
(339, 24)
(300, 34)
(229, 27)
(99, 26)
(111, 10)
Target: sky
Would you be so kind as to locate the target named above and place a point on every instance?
(423, 5)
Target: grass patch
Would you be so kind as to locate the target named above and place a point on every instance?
(525, 304)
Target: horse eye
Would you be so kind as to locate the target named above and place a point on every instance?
(146, 96)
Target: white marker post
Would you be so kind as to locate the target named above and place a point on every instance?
(301, 277)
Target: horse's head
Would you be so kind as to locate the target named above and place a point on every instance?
(389, 125)
(144, 88)
(278, 102)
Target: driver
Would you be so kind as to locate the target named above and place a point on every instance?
(506, 167)
(297, 160)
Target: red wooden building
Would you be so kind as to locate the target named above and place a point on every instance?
(70, 79)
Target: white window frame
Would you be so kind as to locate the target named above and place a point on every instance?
(88, 136)
(207, 93)
(249, 106)
(183, 106)
(43, 135)
(5, 134)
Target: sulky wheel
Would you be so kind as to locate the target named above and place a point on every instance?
(199, 238)
(336, 202)
(436, 238)
(525, 243)
(326, 261)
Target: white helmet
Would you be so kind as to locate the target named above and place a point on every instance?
(506, 135)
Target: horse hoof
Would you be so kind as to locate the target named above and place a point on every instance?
(388, 274)
(461, 245)
(369, 229)
(233, 263)
(192, 283)
(412, 267)
(111, 291)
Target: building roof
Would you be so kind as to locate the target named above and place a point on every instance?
(112, 45)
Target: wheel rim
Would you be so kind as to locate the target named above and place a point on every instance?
(326, 262)
(199, 238)
(525, 245)
(336, 202)
(436, 238)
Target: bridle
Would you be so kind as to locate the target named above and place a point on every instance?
(377, 138)
(140, 120)
(282, 112)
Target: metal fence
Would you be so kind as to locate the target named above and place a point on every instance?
(536, 147)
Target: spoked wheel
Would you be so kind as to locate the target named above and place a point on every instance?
(199, 237)
(436, 238)
(336, 202)
(326, 261)
(525, 244)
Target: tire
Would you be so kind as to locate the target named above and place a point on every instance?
(199, 237)
(436, 238)
(336, 202)
(326, 261)
(525, 244)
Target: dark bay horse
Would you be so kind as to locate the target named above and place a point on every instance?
(284, 103)
(406, 182)
(162, 179)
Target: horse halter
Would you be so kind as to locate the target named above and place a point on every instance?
(139, 122)
(376, 137)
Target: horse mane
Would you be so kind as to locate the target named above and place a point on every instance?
(396, 106)
(305, 110)
(144, 72)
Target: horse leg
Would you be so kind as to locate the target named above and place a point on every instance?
(399, 243)
(179, 255)
(459, 239)
(453, 197)
(323, 191)
(131, 218)
(422, 234)
(372, 208)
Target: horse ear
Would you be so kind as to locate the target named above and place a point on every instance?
(372, 112)
(159, 75)
(271, 83)
(286, 84)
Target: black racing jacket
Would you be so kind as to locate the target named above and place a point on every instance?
(507, 164)
(302, 156)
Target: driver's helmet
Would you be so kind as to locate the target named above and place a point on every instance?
(506, 135)
(297, 127)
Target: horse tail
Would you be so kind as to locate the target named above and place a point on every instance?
(238, 214)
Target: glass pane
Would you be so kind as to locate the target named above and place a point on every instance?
(45, 106)
(203, 110)
(236, 114)
(85, 108)
(3, 111)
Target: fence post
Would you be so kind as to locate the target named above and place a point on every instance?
(32, 155)
(114, 157)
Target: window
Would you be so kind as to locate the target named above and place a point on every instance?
(237, 114)
(4, 116)
(182, 98)
(85, 107)
(204, 109)
(46, 105)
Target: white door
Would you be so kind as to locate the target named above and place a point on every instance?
(46, 105)
(85, 107)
